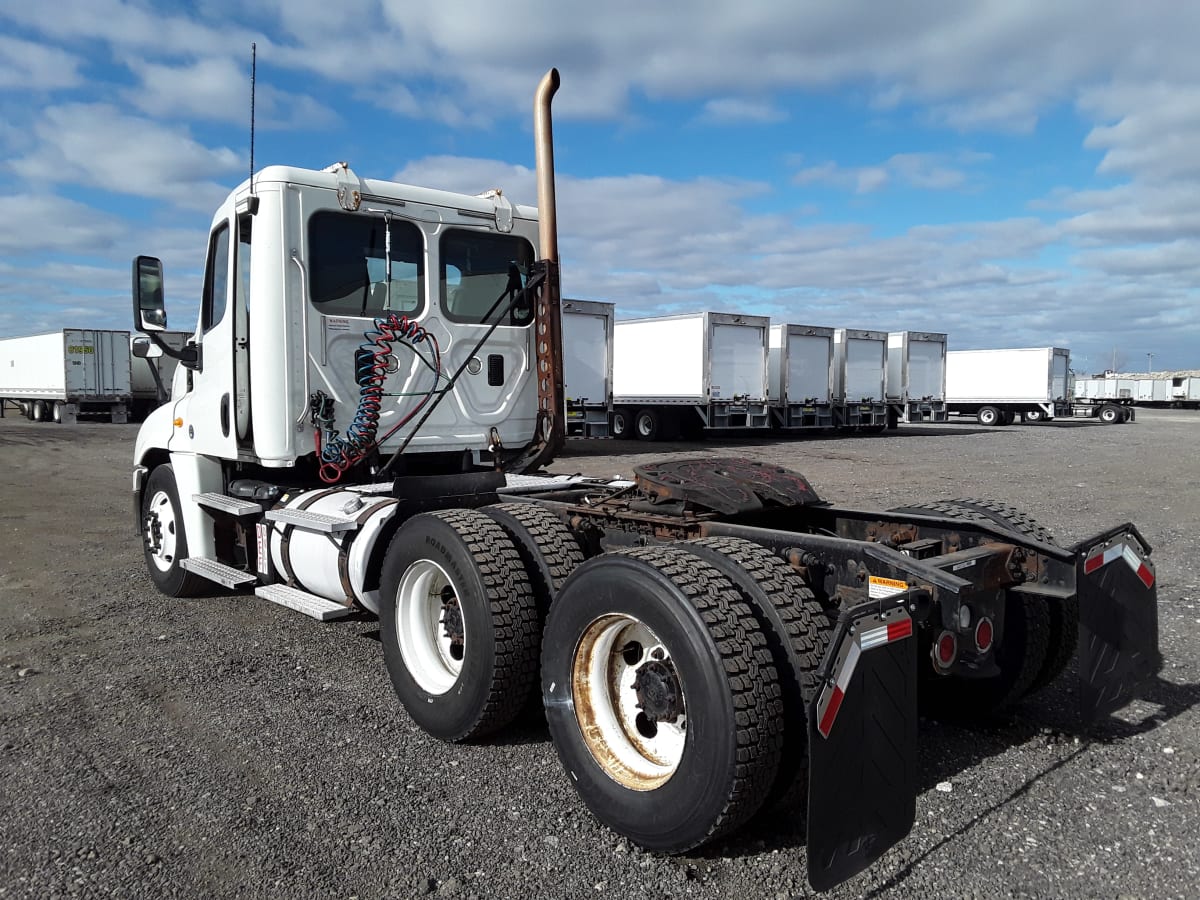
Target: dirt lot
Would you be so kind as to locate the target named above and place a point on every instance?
(226, 746)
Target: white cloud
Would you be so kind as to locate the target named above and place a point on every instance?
(738, 110)
(29, 66)
(98, 146)
(929, 171)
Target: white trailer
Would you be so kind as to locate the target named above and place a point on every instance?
(1108, 399)
(1185, 391)
(62, 374)
(587, 328)
(150, 377)
(1153, 391)
(916, 376)
(800, 372)
(688, 374)
(859, 379)
(996, 386)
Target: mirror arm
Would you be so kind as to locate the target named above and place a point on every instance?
(188, 356)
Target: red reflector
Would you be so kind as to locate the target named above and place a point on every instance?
(983, 635)
(1092, 564)
(831, 711)
(1145, 575)
(947, 647)
(901, 629)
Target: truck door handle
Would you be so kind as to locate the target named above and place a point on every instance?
(225, 415)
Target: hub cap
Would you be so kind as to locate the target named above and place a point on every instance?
(430, 629)
(159, 531)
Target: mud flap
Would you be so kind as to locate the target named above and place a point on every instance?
(1118, 620)
(862, 732)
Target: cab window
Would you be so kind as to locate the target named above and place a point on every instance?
(216, 278)
(348, 268)
(475, 270)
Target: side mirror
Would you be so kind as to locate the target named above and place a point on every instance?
(144, 348)
(149, 308)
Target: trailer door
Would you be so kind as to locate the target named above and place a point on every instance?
(866, 362)
(810, 357)
(585, 357)
(926, 370)
(738, 361)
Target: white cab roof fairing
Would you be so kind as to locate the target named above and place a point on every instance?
(393, 190)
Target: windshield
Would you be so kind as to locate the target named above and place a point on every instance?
(475, 270)
(348, 274)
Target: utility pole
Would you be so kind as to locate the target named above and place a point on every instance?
(1150, 363)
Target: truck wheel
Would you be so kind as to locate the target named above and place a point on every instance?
(1034, 415)
(988, 415)
(1006, 417)
(1061, 617)
(458, 623)
(164, 541)
(648, 424)
(1110, 415)
(622, 427)
(661, 697)
(798, 630)
(39, 411)
(547, 547)
(56, 412)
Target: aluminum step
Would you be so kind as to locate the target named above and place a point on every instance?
(217, 571)
(312, 521)
(302, 601)
(235, 506)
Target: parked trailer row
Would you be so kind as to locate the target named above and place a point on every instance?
(1180, 392)
(679, 376)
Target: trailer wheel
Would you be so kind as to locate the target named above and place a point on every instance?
(649, 425)
(39, 411)
(164, 541)
(798, 630)
(989, 416)
(547, 547)
(1034, 415)
(458, 622)
(1110, 414)
(56, 412)
(661, 697)
(622, 427)
(1061, 617)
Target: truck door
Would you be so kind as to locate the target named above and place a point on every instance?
(212, 416)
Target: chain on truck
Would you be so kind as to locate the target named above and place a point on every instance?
(359, 424)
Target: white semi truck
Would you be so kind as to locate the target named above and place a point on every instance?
(800, 369)
(587, 328)
(916, 377)
(998, 386)
(376, 380)
(1108, 399)
(687, 374)
(59, 376)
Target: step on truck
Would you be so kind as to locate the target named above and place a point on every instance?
(587, 329)
(66, 374)
(374, 388)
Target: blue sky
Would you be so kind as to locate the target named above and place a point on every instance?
(1012, 173)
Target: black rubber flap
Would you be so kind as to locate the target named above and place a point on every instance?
(1118, 625)
(863, 756)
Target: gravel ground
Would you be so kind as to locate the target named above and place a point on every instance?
(226, 746)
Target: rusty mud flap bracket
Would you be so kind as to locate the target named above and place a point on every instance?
(862, 731)
(1118, 619)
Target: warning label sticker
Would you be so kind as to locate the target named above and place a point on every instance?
(334, 323)
(885, 587)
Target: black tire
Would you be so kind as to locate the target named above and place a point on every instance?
(1007, 417)
(1061, 618)
(493, 603)
(622, 424)
(989, 416)
(546, 545)
(1034, 415)
(724, 695)
(649, 425)
(56, 412)
(164, 540)
(39, 411)
(798, 631)
(1110, 415)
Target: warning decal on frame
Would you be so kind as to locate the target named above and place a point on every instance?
(885, 587)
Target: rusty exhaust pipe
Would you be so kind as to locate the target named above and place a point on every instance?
(543, 140)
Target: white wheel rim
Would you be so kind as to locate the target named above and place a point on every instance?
(641, 756)
(619, 423)
(160, 512)
(433, 657)
(644, 425)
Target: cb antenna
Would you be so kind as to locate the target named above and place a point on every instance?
(253, 73)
